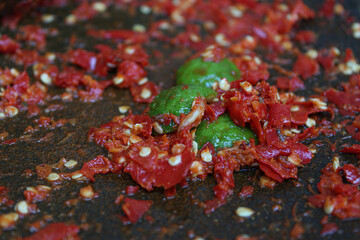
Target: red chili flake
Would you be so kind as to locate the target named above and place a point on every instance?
(352, 174)
(56, 231)
(213, 204)
(131, 190)
(305, 66)
(128, 35)
(346, 100)
(135, 209)
(130, 73)
(214, 110)
(246, 191)
(144, 93)
(327, 9)
(292, 84)
(170, 192)
(68, 77)
(33, 33)
(119, 199)
(10, 141)
(327, 58)
(44, 121)
(342, 199)
(82, 58)
(100, 164)
(164, 174)
(297, 231)
(353, 149)
(279, 115)
(37, 194)
(84, 11)
(329, 228)
(43, 170)
(305, 36)
(4, 200)
(8, 45)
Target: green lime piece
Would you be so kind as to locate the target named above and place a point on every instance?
(199, 72)
(222, 133)
(177, 100)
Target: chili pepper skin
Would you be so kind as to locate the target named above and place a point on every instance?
(222, 133)
(176, 100)
(205, 73)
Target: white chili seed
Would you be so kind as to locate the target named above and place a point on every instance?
(87, 192)
(71, 19)
(7, 220)
(139, 28)
(206, 155)
(46, 79)
(144, 9)
(310, 122)
(71, 164)
(145, 93)
(224, 84)
(246, 86)
(14, 72)
(328, 206)
(22, 207)
(142, 81)
(336, 164)
(118, 80)
(294, 108)
(77, 175)
(145, 151)
(244, 212)
(175, 160)
(11, 111)
(124, 109)
(99, 6)
(47, 18)
(53, 177)
(158, 128)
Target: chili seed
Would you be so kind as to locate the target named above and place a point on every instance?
(336, 164)
(46, 79)
(246, 86)
(145, 151)
(244, 212)
(118, 80)
(310, 122)
(124, 109)
(22, 207)
(206, 155)
(87, 192)
(77, 175)
(53, 177)
(8, 220)
(71, 19)
(224, 84)
(99, 6)
(47, 18)
(175, 160)
(143, 81)
(294, 108)
(196, 168)
(145, 93)
(144, 9)
(70, 164)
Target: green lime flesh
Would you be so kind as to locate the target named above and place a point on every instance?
(177, 100)
(222, 133)
(199, 72)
